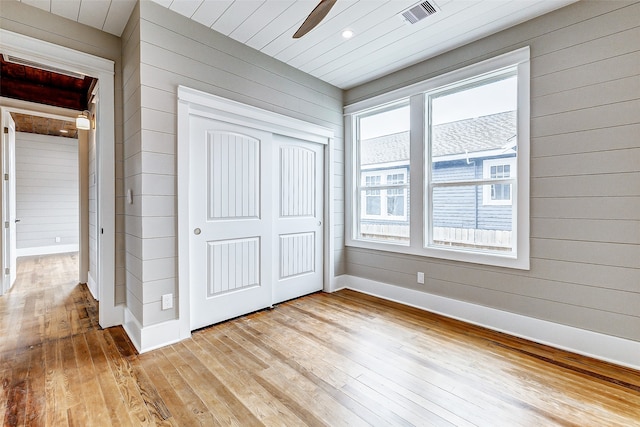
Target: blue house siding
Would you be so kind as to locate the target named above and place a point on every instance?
(463, 207)
(455, 206)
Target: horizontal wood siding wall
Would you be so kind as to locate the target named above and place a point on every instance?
(47, 188)
(176, 51)
(132, 162)
(585, 175)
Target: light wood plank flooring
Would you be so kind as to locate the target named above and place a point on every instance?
(337, 360)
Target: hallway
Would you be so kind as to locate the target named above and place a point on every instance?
(49, 327)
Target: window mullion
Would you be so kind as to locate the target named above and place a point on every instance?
(416, 190)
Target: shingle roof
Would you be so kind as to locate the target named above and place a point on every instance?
(471, 135)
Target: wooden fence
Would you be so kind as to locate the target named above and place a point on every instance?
(499, 240)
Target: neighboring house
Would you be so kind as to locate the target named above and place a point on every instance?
(482, 147)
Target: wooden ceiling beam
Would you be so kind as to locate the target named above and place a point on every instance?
(59, 97)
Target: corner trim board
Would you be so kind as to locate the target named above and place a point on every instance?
(619, 351)
(151, 337)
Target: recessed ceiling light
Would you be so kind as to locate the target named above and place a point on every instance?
(347, 34)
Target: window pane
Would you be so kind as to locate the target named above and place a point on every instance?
(501, 192)
(469, 125)
(498, 168)
(383, 149)
(373, 202)
(461, 220)
(473, 138)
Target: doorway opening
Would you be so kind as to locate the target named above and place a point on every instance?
(50, 57)
(54, 203)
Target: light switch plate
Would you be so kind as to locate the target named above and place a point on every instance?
(421, 277)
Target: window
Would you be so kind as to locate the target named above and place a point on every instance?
(383, 169)
(372, 203)
(387, 202)
(494, 170)
(396, 196)
(463, 138)
(475, 118)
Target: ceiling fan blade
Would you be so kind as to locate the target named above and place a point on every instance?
(315, 17)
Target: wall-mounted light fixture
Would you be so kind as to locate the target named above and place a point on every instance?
(83, 121)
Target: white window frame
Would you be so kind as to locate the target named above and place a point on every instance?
(420, 244)
(486, 174)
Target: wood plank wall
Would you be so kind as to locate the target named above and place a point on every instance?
(171, 50)
(585, 175)
(46, 192)
(132, 162)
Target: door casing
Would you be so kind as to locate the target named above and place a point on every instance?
(8, 200)
(40, 51)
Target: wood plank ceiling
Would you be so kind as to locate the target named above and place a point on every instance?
(383, 42)
(44, 125)
(41, 86)
(26, 83)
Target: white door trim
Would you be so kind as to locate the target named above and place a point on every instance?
(194, 102)
(103, 69)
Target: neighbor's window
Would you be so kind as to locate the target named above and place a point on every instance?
(383, 169)
(496, 169)
(463, 137)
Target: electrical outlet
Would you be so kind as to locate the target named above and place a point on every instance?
(58, 239)
(167, 301)
(421, 277)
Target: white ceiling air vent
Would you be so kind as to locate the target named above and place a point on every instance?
(33, 64)
(418, 12)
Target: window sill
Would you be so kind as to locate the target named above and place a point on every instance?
(468, 256)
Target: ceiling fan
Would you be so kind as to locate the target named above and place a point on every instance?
(315, 17)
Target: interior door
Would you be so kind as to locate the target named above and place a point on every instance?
(9, 199)
(298, 228)
(231, 215)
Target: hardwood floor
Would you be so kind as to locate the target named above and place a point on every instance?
(340, 359)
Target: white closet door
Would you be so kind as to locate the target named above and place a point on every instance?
(298, 240)
(231, 216)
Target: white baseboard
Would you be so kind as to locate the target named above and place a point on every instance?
(47, 250)
(588, 343)
(151, 337)
(93, 287)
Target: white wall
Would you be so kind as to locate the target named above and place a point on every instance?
(585, 175)
(47, 194)
(162, 50)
